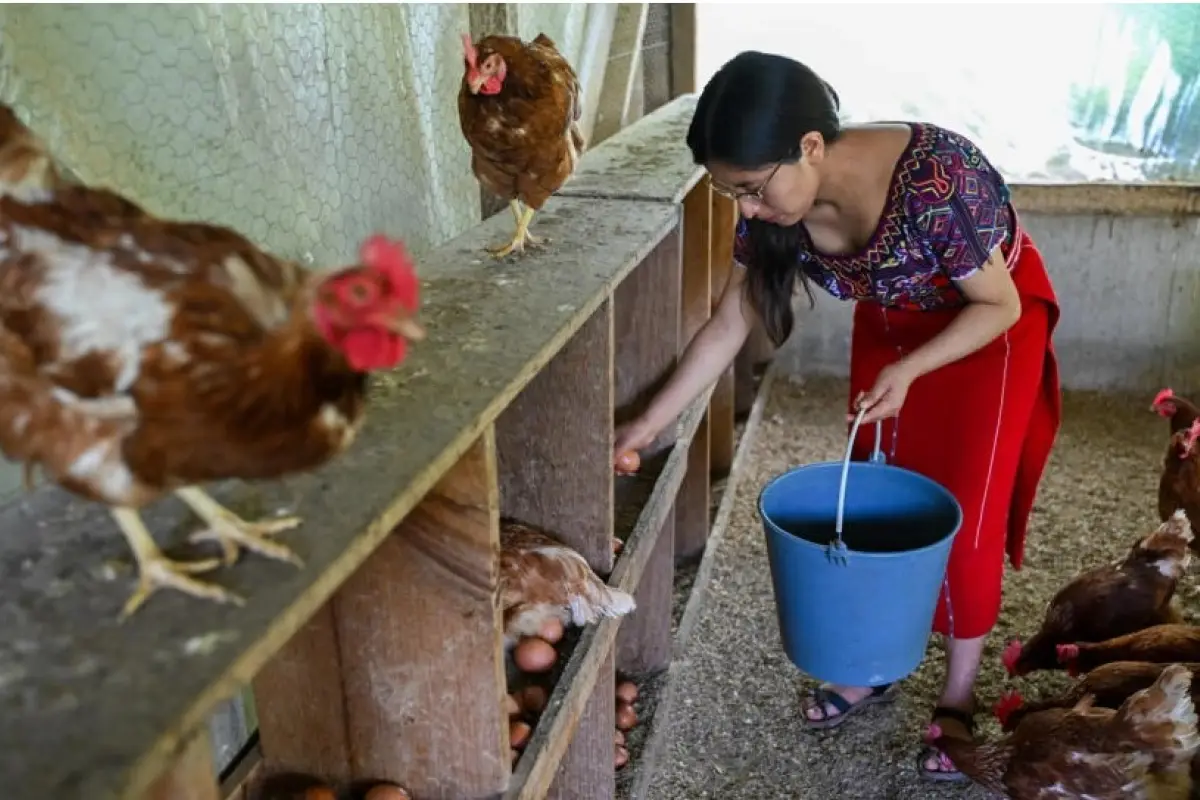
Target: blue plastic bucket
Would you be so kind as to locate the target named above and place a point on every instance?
(858, 553)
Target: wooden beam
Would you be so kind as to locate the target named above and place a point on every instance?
(721, 415)
(692, 508)
(621, 75)
(417, 633)
(683, 48)
(555, 445)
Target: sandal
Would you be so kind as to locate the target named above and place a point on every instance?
(823, 696)
(946, 772)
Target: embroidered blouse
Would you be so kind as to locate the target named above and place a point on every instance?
(947, 209)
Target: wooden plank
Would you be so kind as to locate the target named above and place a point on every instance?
(658, 736)
(74, 727)
(646, 320)
(416, 631)
(421, 648)
(246, 774)
(191, 777)
(721, 413)
(683, 48)
(587, 770)
(555, 445)
(649, 160)
(622, 73)
(300, 698)
(692, 507)
(644, 641)
(586, 668)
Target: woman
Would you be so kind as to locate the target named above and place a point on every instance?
(952, 323)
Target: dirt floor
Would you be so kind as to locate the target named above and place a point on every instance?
(736, 730)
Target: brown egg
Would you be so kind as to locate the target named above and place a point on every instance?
(628, 462)
(534, 655)
(618, 738)
(512, 705)
(320, 793)
(518, 734)
(617, 545)
(551, 630)
(620, 756)
(627, 692)
(533, 699)
(386, 791)
(626, 716)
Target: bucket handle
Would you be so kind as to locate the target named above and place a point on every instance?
(838, 551)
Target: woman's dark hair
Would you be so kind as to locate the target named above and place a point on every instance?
(751, 115)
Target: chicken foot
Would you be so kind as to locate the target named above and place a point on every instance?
(522, 236)
(232, 532)
(156, 571)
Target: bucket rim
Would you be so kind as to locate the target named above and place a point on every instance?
(863, 465)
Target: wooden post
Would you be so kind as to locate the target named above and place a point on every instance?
(412, 644)
(683, 48)
(192, 777)
(720, 429)
(691, 507)
(555, 446)
(648, 325)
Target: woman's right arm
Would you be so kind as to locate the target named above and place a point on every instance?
(710, 352)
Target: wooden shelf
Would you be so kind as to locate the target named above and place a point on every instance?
(382, 658)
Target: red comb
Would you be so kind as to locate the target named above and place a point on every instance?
(390, 256)
(933, 733)
(1067, 653)
(1010, 656)
(1008, 703)
(1161, 404)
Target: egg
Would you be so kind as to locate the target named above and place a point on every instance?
(533, 699)
(320, 793)
(534, 655)
(627, 692)
(626, 716)
(551, 630)
(618, 738)
(512, 706)
(518, 734)
(620, 756)
(617, 545)
(386, 791)
(628, 462)
(514, 755)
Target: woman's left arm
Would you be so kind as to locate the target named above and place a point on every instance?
(993, 306)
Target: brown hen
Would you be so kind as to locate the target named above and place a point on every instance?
(1160, 644)
(541, 578)
(1141, 751)
(140, 356)
(1134, 593)
(519, 108)
(1179, 484)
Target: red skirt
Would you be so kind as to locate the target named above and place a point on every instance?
(982, 427)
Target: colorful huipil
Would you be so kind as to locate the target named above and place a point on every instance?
(983, 426)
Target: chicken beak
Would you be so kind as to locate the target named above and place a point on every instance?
(407, 327)
(476, 83)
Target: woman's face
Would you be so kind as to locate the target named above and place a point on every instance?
(780, 193)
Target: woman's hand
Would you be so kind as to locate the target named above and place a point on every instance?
(887, 395)
(635, 435)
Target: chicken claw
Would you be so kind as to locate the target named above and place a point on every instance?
(522, 236)
(232, 532)
(156, 571)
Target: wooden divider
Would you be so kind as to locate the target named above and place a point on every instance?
(191, 776)
(692, 509)
(555, 444)
(647, 349)
(381, 680)
(721, 415)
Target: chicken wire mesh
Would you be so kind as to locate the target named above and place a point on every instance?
(304, 127)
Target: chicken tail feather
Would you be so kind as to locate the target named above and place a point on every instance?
(1163, 717)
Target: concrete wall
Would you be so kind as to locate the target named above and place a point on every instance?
(1129, 287)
